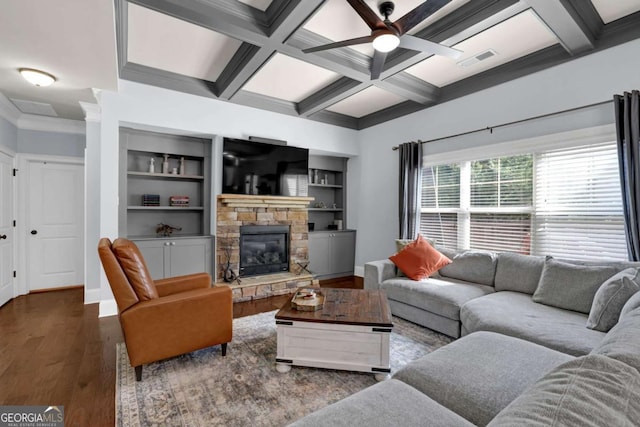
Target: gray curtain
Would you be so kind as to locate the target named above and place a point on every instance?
(627, 108)
(410, 189)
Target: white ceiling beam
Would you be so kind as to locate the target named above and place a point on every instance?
(573, 37)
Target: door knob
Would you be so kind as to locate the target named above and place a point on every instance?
(34, 232)
(2, 237)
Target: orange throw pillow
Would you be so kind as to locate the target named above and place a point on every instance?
(418, 260)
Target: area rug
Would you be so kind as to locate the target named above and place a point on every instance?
(243, 388)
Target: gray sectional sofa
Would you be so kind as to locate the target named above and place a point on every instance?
(525, 357)
(487, 291)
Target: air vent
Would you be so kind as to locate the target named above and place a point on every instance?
(477, 58)
(30, 107)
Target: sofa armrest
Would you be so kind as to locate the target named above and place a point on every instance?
(376, 272)
(184, 283)
(186, 321)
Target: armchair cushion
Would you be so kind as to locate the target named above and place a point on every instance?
(134, 267)
(188, 282)
(122, 291)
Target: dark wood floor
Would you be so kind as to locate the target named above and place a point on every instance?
(54, 350)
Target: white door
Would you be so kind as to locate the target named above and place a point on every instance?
(6, 228)
(55, 226)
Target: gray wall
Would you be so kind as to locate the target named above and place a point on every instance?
(8, 135)
(581, 82)
(50, 143)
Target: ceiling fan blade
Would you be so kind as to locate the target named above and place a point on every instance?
(377, 64)
(419, 14)
(422, 45)
(343, 43)
(368, 15)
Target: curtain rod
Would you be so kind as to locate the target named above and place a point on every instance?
(491, 128)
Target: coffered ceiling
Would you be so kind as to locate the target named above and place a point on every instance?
(250, 51)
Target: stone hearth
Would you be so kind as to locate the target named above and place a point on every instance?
(234, 211)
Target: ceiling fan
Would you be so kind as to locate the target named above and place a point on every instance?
(386, 35)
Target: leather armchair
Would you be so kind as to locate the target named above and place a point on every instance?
(168, 317)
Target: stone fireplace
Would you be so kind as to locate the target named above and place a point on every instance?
(262, 225)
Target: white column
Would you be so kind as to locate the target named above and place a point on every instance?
(92, 199)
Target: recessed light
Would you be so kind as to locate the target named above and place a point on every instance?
(37, 77)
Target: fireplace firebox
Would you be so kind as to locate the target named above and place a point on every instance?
(264, 249)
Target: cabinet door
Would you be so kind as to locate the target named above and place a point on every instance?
(342, 252)
(319, 262)
(153, 252)
(189, 256)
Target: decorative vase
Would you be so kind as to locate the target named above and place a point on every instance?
(228, 274)
(152, 165)
(181, 165)
(165, 164)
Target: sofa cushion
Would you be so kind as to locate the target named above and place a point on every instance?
(479, 375)
(472, 266)
(570, 286)
(442, 296)
(623, 341)
(384, 404)
(632, 304)
(134, 267)
(517, 315)
(589, 391)
(519, 273)
(401, 244)
(611, 297)
(418, 260)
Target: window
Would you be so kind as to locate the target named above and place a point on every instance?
(564, 203)
(579, 204)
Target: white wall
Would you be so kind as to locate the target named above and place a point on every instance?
(584, 81)
(8, 135)
(152, 108)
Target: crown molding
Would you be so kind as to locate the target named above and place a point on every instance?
(8, 110)
(51, 124)
(92, 112)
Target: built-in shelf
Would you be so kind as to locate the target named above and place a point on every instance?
(139, 150)
(164, 175)
(325, 186)
(165, 208)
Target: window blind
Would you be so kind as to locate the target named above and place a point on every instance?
(578, 204)
(563, 202)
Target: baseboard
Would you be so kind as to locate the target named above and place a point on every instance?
(359, 271)
(91, 296)
(108, 308)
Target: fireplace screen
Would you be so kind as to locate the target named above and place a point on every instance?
(264, 249)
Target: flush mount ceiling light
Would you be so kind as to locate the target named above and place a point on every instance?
(37, 77)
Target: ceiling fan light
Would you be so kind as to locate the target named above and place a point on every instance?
(37, 77)
(386, 42)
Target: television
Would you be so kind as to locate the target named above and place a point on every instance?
(260, 168)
